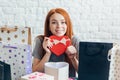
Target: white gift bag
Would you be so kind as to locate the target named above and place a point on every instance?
(60, 70)
(18, 56)
(21, 35)
(114, 58)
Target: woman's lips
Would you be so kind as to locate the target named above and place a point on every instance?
(58, 30)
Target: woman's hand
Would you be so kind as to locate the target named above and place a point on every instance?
(71, 52)
(72, 55)
(47, 44)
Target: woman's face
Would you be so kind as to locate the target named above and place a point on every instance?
(57, 24)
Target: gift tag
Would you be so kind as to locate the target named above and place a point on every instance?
(59, 44)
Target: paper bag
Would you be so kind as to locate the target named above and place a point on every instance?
(93, 63)
(21, 35)
(114, 58)
(5, 71)
(60, 70)
(37, 76)
(19, 58)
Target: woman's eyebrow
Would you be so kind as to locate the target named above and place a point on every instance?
(62, 19)
(57, 20)
(53, 20)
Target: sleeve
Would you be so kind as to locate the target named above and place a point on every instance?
(38, 50)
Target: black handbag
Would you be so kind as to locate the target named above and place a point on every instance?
(93, 63)
(5, 71)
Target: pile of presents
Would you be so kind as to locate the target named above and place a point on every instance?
(16, 59)
(16, 56)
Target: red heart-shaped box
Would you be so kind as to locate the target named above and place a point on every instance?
(59, 44)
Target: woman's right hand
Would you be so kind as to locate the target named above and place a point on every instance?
(47, 45)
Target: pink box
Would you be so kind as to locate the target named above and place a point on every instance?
(37, 76)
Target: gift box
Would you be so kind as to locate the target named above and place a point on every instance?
(37, 76)
(21, 35)
(18, 56)
(114, 58)
(60, 70)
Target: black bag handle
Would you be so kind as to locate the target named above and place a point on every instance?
(94, 49)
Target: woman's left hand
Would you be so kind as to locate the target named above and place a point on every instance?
(71, 52)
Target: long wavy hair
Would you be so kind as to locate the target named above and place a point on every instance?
(61, 11)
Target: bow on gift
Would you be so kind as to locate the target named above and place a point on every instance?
(63, 41)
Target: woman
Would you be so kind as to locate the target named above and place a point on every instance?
(57, 23)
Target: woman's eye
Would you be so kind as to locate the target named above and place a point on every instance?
(53, 22)
(63, 22)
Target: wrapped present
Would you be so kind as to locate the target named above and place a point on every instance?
(59, 70)
(19, 58)
(15, 35)
(37, 76)
(114, 58)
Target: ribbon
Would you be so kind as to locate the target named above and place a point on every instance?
(63, 41)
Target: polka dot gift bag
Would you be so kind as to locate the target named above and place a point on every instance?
(114, 58)
(19, 58)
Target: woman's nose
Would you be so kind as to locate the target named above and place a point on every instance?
(59, 25)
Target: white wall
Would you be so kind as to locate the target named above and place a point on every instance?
(93, 20)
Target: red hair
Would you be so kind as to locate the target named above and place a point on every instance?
(61, 11)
